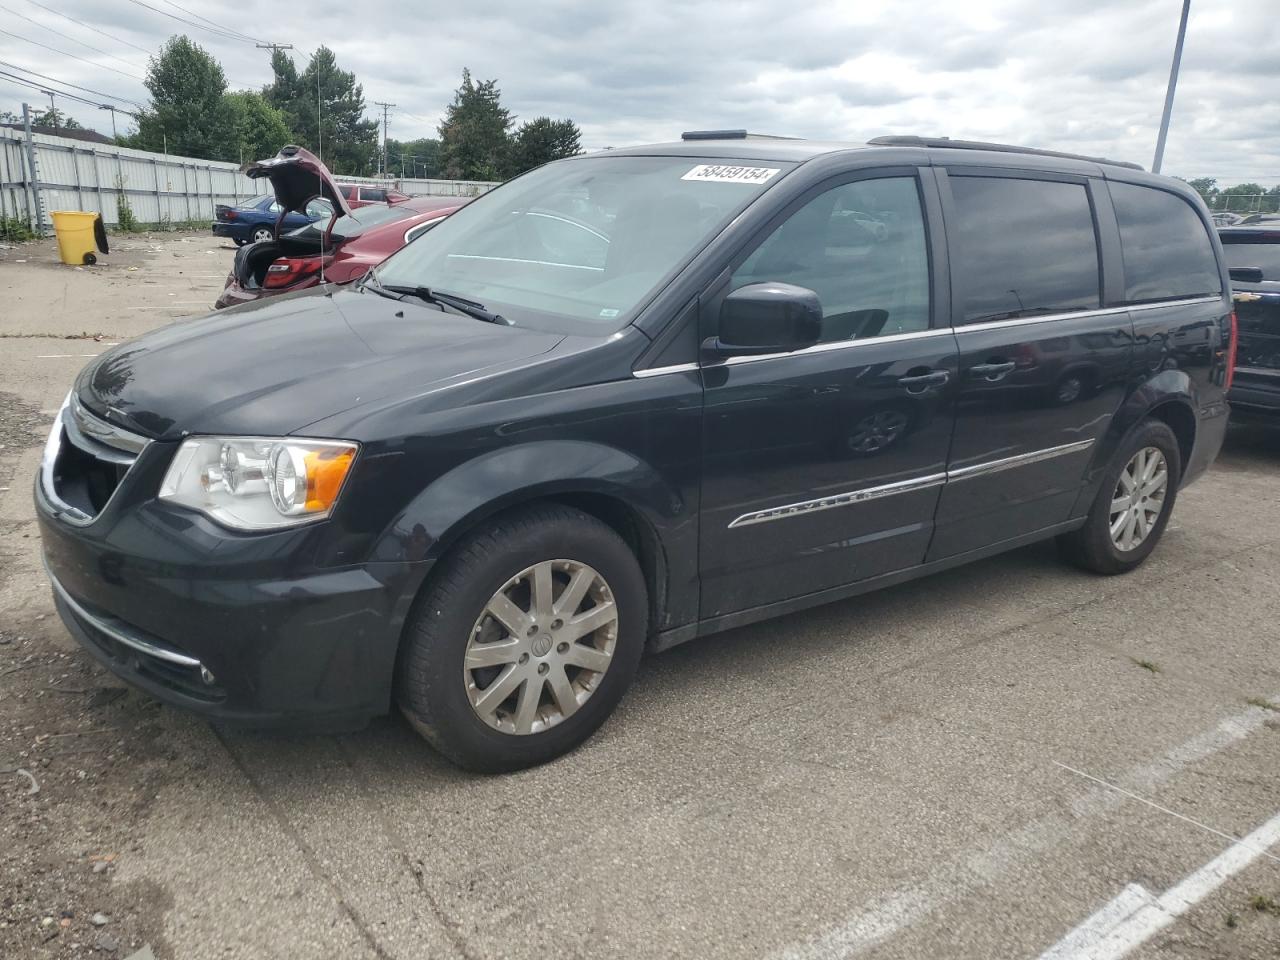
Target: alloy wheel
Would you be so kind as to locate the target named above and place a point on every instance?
(261, 236)
(1139, 498)
(540, 647)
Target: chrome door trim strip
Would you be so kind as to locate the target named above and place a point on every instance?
(1021, 460)
(839, 500)
(1259, 371)
(841, 345)
(864, 494)
(135, 643)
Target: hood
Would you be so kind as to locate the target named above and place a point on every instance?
(297, 176)
(274, 366)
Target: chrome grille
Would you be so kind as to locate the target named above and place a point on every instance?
(85, 461)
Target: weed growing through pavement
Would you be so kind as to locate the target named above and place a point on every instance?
(1264, 704)
(1146, 665)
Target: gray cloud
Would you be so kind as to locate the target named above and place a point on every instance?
(1086, 76)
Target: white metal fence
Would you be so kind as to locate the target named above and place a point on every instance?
(76, 175)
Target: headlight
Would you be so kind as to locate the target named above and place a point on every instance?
(258, 483)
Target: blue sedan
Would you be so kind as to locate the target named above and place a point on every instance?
(255, 220)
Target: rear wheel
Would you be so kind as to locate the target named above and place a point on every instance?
(1133, 505)
(262, 235)
(525, 641)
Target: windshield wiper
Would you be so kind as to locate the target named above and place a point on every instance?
(452, 300)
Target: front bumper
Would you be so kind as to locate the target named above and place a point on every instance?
(228, 626)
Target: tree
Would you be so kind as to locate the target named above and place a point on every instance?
(345, 141)
(474, 136)
(189, 115)
(282, 92)
(259, 130)
(1207, 187)
(542, 140)
(416, 158)
(1243, 198)
(53, 117)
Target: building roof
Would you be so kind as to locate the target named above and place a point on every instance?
(88, 136)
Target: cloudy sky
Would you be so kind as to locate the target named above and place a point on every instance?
(1085, 75)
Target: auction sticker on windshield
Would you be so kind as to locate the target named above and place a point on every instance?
(721, 173)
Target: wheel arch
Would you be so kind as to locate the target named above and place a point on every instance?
(1170, 397)
(612, 485)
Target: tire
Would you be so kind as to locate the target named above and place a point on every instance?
(262, 235)
(90, 259)
(451, 630)
(1093, 547)
(238, 241)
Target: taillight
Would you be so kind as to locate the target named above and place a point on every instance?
(289, 270)
(1231, 352)
(229, 214)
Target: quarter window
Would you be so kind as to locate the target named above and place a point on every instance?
(1023, 248)
(861, 248)
(1166, 246)
(376, 194)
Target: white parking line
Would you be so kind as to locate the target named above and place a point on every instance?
(908, 905)
(1135, 916)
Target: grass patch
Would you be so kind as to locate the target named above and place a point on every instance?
(16, 230)
(1264, 904)
(1232, 920)
(1264, 704)
(1146, 665)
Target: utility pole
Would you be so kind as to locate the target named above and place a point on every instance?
(385, 107)
(1173, 83)
(273, 47)
(107, 106)
(53, 111)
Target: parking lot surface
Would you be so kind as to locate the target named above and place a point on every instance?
(1013, 759)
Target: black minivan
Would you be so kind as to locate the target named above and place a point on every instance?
(630, 399)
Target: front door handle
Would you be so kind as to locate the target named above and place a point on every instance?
(992, 371)
(922, 382)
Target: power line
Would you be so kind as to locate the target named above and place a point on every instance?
(192, 13)
(67, 36)
(64, 83)
(13, 78)
(64, 53)
(219, 31)
(89, 27)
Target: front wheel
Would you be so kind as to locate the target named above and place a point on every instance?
(1133, 505)
(525, 641)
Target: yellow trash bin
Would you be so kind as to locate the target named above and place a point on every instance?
(79, 234)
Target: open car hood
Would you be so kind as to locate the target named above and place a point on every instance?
(297, 176)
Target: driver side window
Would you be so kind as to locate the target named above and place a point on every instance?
(861, 248)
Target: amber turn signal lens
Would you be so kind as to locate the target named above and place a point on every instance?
(326, 471)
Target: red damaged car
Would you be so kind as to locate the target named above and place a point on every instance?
(337, 251)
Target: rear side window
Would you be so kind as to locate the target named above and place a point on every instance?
(1254, 253)
(1023, 248)
(1166, 246)
(373, 193)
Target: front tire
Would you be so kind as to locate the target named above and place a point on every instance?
(525, 640)
(1133, 504)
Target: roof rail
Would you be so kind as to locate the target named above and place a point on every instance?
(730, 135)
(950, 144)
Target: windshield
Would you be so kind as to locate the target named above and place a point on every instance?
(579, 246)
(1264, 255)
(352, 225)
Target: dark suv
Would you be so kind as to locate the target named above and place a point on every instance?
(1253, 259)
(742, 377)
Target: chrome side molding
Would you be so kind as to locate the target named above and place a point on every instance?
(849, 498)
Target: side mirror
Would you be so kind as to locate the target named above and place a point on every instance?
(767, 318)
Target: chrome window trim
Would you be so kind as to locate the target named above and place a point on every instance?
(1259, 371)
(662, 371)
(935, 332)
(864, 494)
(839, 500)
(115, 633)
(1020, 460)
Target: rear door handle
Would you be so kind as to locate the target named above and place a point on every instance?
(992, 371)
(923, 381)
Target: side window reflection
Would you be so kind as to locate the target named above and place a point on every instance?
(861, 248)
